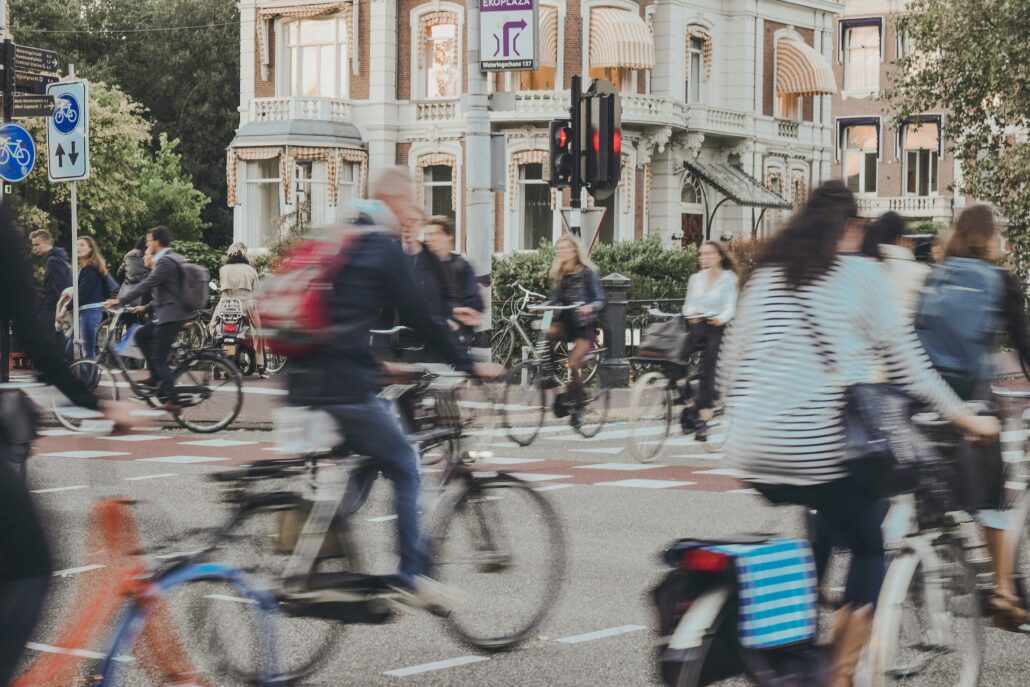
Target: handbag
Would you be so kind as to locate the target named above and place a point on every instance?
(19, 422)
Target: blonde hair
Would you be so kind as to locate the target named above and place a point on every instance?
(559, 270)
(238, 248)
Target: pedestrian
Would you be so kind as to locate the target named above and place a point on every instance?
(133, 269)
(426, 268)
(466, 302)
(709, 306)
(238, 279)
(904, 273)
(57, 276)
(812, 321)
(95, 285)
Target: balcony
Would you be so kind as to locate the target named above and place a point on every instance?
(716, 120)
(939, 208)
(436, 110)
(288, 108)
(533, 106)
(787, 128)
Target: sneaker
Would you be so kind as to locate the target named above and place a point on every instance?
(560, 410)
(688, 419)
(701, 431)
(576, 419)
(427, 594)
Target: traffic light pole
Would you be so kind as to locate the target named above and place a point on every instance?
(576, 184)
(5, 201)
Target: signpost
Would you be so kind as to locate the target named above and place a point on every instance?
(31, 105)
(508, 35)
(67, 132)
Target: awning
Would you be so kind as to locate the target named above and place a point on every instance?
(297, 132)
(548, 37)
(619, 38)
(800, 70)
(736, 184)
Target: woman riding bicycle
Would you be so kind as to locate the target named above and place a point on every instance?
(574, 280)
(709, 306)
(813, 321)
(238, 279)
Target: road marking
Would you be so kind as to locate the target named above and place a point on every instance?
(136, 437)
(84, 454)
(436, 665)
(75, 571)
(645, 484)
(496, 460)
(56, 489)
(383, 518)
(622, 467)
(725, 472)
(754, 492)
(57, 433)
(157, 476)
(81, 653)
(601, 634)
(1015, 486)
(233, 599)
(611, 450)
(1014, 436)
(537, 476)
(553, 487)
(180, 459)
(218, 443)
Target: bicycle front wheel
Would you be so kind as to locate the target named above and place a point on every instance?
(274, 362)
(500, 545)
(97, 378)
(523, 403)
(593, 411)
(210, 391)
(650, 416)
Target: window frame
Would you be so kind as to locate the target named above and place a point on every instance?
(520, 210)
(284, 82)
(699, 54)
(276, 188)
(846, 151)
(418, 76)
(427, 191)
(846, 29)
(933, 159)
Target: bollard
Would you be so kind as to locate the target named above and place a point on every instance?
(614, 366)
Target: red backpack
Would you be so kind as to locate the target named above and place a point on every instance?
(294, 304)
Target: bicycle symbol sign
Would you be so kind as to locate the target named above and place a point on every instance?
(17, 153)
(66, 114)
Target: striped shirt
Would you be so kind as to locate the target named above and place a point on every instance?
(784, 396)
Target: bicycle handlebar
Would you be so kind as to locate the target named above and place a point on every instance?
(529, 293)
(655, 312)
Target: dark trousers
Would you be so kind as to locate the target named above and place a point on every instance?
(46, 324)
(707, 338)
(156, 341)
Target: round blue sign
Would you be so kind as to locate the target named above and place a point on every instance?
(17, 153)
(66, 114)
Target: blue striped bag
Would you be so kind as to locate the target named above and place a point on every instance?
(778, 592)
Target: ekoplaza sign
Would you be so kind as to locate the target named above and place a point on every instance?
(508, 36)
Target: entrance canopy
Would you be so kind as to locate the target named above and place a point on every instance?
(734, 184)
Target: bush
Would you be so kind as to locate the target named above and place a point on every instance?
(202, 254)
(745, 252)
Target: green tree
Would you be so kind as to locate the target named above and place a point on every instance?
(168, 194)
(972, 57)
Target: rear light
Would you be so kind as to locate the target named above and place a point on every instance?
(230, 328)
(704, 560)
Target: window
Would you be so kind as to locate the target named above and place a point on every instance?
(536, 218)
(922, 149)
(860, 147)
(442, 76)
(862, 59)
(790, 107)
(346, 186)
(317, 53)
(262, 199)
(695, 65)
(624, 80)
(437, 182)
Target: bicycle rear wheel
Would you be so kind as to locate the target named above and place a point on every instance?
(500, 545)
(593, 411)
(1019, 525)
(650, 416)
(210, 390)
(523, 403)
(274, 362)
(502, 345)
(99, 379)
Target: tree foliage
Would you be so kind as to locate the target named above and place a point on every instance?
(168, 194)
(972, 58)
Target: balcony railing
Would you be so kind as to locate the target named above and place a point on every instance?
(907, 206)
(638, 109)
(296, 107)
(436, 110)
(787, 128)
(715, 119)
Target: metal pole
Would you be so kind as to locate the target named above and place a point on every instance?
(479, 206)
(576, 183)
(5, 201)
(75, 257)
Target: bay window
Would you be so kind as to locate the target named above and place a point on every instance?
(317, 51)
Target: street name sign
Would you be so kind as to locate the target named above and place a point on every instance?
(17, 153)
(67, 131)
(25, 82)
(28, 105)
(508, 35)
(34, 60)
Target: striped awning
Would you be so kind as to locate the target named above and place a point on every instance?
(619, 38)
(800, 70)
(548, 37)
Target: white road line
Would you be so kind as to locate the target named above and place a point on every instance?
(436, 665)
(610, 450)
(1015, 485)
(218, 443)
(157, 476)
(180, 554)
(621, 467)
(754, 492)
(725, 472)
(57, 489)
(497, 460)
(601, 634)
(226, 597)
(136, 437)
(538, 476)
(84, 454)
(180, 459)
(75, 571)
(553, 487)
(383, 518)
(57, 433)
(645, 484)
(81, 653)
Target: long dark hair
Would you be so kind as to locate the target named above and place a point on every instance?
(975, 234)
(888, 229)
(806, 248)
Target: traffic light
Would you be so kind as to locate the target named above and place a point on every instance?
(603, 133)
(563, 155)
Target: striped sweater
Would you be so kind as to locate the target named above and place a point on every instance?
(783, 383)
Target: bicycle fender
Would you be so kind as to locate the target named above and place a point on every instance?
(888, 614)
(701, 620)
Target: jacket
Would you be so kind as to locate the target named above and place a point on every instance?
(57, 276)
(432, 283)
(131, 272)
(583, 287)
(375, 283)
(92, 286)
(165, 284)
(461, 283)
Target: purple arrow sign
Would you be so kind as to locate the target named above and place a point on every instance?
(507, 27)
(505, 42)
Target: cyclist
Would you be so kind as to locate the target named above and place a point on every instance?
(25, 564)
(167, 313)
(709, 306)
(813, 321)
(237, 279)
(573, 280)
(459, 277)
(342, 377)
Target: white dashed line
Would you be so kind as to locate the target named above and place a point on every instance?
(622, 467)
(383, 518)
(181, 459)
(610, 450)
(645, 484)
(84, 454)
(81, 653)
(753, 492)
(601, 634)
(218, 443)
(57, 433)
(75, 571)
(553, 487)
(436, 665)
(497, 460)
(136, 437)
(725, 472)
(157, 476)
(53, 490)
(538, 476)
(233, 599)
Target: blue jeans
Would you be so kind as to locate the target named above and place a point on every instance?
(89, 322)
(372, 430)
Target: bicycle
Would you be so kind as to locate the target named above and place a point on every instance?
(302, 541)
(514, 328)
(203, 379)
(524, 398)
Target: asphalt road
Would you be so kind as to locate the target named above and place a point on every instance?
(617, 515)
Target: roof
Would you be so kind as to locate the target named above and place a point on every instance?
(736, 184)
(298, 132)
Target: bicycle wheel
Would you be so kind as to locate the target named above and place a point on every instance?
(210, 390)
(98, 379)
(500, 543)
(523, 403)
(650, 416)
(593, 411)
(191, 339)
(274, 362)
(502, 345)
(1020, 543)
(927, 625)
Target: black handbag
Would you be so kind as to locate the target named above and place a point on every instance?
(19, 422)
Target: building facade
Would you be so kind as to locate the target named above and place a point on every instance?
(726, 119)
(902, 166)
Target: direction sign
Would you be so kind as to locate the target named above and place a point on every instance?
(26, 105)
(17, 153)
(37, 60)
(508, 35)
(24, 82)
(67, 131)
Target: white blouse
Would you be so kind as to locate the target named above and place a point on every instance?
(707, 300)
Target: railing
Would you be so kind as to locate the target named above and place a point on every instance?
(906, 205)
(652, 108)
(542, 102)
(787, 128)
(436, 110)
(295, 107)
(647, 109)
(715, 119)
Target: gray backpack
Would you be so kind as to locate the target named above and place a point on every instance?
(193, 293)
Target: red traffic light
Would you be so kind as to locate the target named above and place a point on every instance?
(563, 137)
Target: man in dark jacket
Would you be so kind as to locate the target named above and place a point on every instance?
(166, 312)
(460, 286)
(57, 276)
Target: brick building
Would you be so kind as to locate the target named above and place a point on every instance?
(725, 110)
